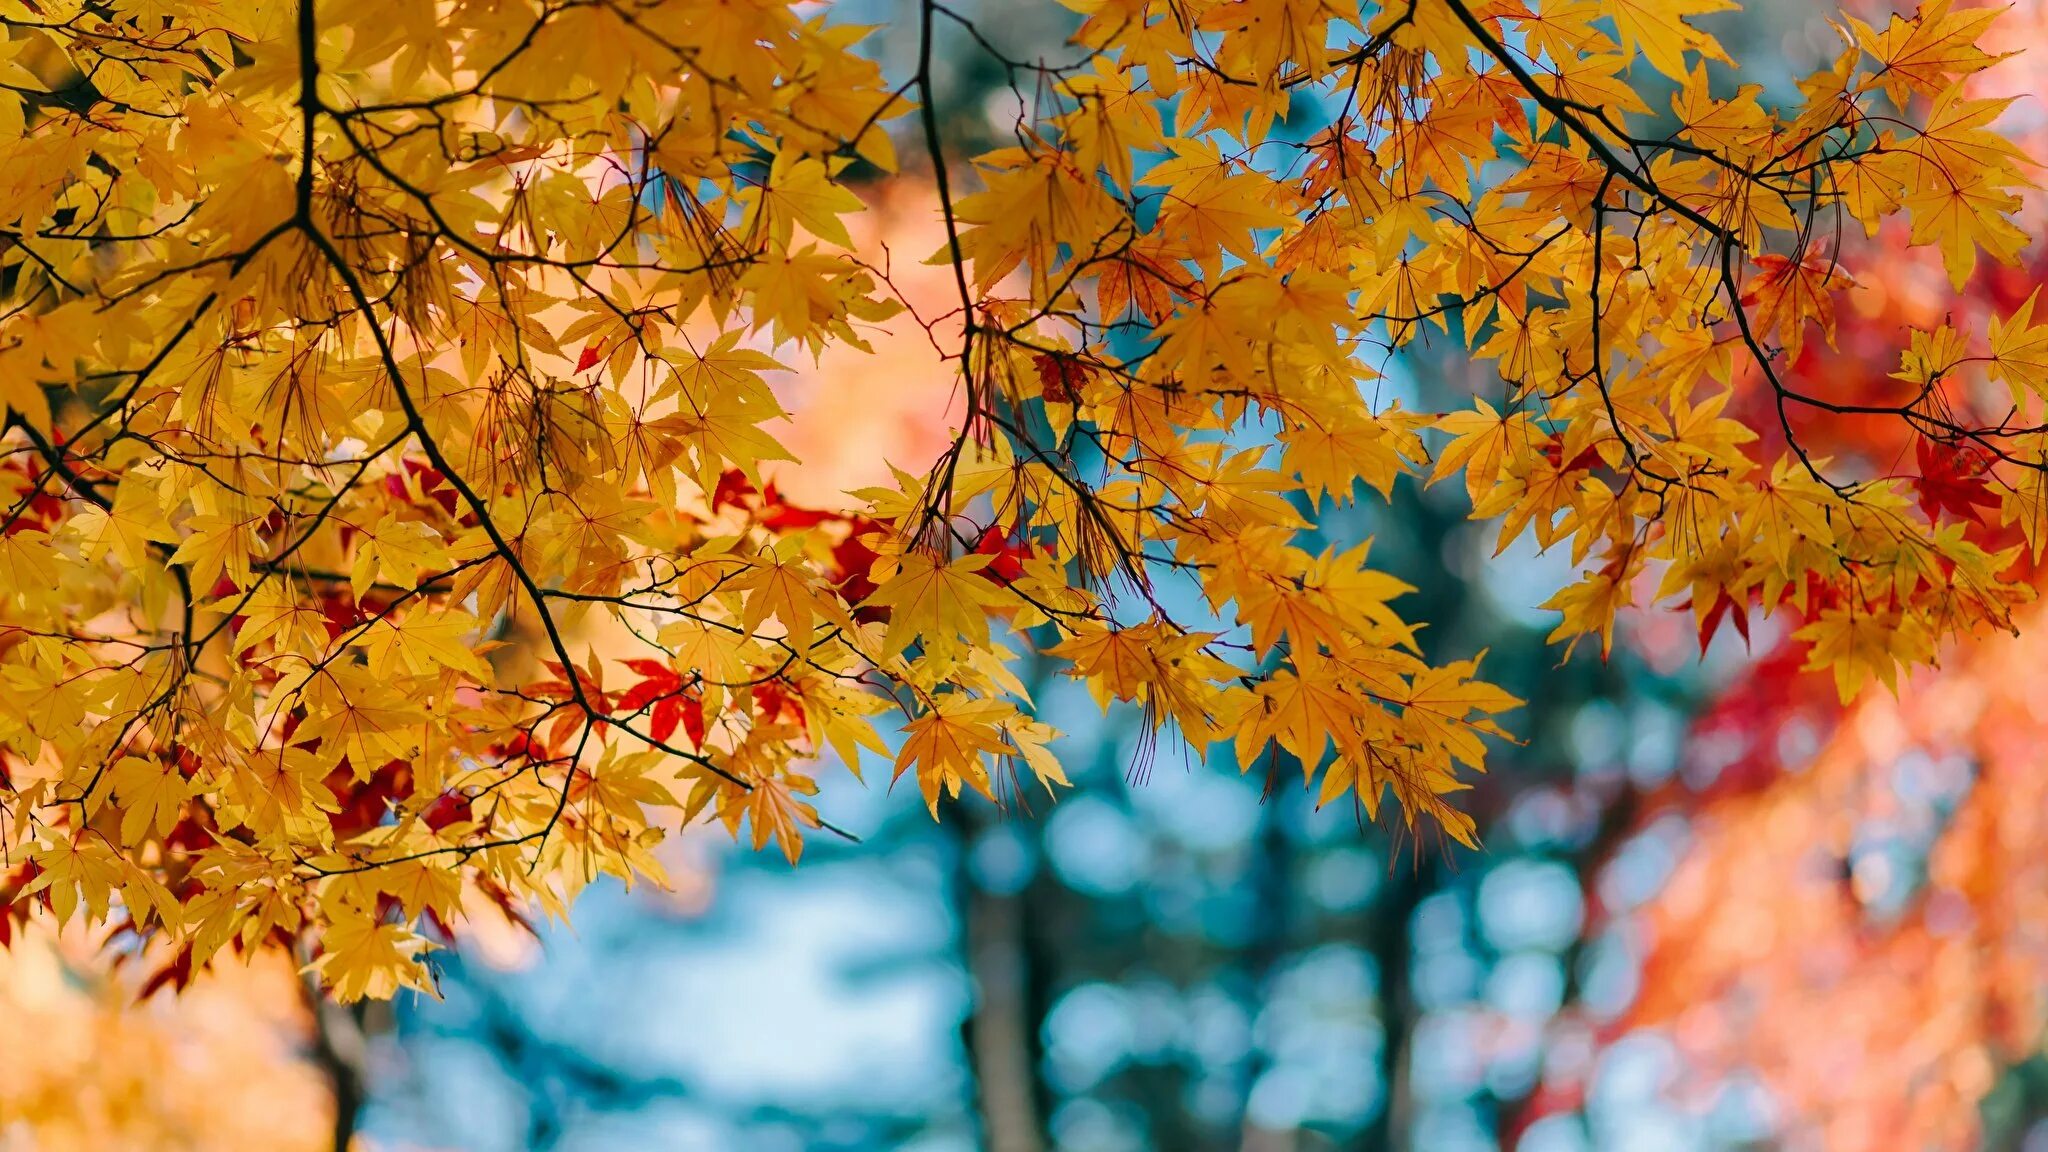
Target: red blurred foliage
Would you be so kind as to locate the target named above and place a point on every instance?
(1859, 911)
(1866, 932)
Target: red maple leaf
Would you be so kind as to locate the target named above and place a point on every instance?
(1009, 551)
(1954, 479)
(1060, 376)
(1725, 607)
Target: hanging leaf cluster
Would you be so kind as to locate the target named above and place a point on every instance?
(357, 358)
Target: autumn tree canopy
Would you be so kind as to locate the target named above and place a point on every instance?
(358, 358)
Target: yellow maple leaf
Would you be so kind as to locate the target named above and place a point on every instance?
(1659, 30)
(940, 602)
(947, 746)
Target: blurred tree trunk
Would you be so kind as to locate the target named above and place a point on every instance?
(1000, 1033)
(340, 1051)
(1272, 878)
(1410, 881)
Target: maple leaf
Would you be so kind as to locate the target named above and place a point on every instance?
(1859, 644)
(1440, 705)
(1482, 441)
(420, 642)
(2019, 351)
(947, 744)
(1211, 204)
(127, 527)
(362, 958)
(1032, 741)
(1962, 184)
(777, 814)
(76, 871)
(1790, 293)
(1589, 605)
(1929, 52)
(152, 797)
(940, 602)
(1117, 662)
(801, 191)
(28, 564)
(397, 552)
(1303, 713)
(1332, 454)
(1659, 30)
(218, 544)
(782, 586)
(2025, 501)
(1723, 606)
(1953, 479)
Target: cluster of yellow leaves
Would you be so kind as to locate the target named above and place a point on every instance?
(354, 352)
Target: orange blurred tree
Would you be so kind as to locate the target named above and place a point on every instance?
(354, 352)
(104, 1072)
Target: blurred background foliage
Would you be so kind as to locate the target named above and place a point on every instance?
(1714, 911)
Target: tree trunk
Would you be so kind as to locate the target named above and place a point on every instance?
(341, 1052)
(1390, 948)
(1272, 875)
(1001, 1030)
